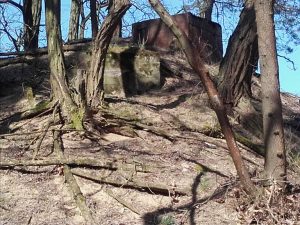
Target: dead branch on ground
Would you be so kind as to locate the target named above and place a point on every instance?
(135, 184)
(110, 164)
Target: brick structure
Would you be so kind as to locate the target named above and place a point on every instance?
(206, 34)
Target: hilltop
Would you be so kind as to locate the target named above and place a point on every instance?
(163, 157)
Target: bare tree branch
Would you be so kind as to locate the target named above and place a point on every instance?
(19, 6)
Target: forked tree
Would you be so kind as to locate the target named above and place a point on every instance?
(91, 94)
(58, 80)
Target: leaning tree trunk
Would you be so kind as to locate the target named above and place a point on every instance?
(60, 90)
(275, 160)
(76, 6)
(240, 60)
(197, 64)
(95, 76)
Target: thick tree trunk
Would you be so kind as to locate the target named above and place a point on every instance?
(101, 43)
(76, 6)
(197, 64)
(31, 16)
(240, 60)
(275, 162)
(58, 80)
(94, 20)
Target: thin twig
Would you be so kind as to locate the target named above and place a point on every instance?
(122, 201)
(289, 60)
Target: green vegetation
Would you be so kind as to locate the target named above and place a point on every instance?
(167, 220)
(77, 118)
(247, 142)
(212, 130)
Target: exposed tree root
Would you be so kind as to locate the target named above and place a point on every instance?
(70, 180)
(47, 126)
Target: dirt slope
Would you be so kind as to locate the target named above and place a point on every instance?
(170, 130)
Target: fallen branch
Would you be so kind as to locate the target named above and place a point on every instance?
(35, 132)
(135, 184)
(109, 164)
(70, 180)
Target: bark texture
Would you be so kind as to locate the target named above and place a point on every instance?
(197, 64)
(60, 90)
(76, 6)
(95, 76)
(94, 20)
(275, 162)
(31, 17)
(240, 60)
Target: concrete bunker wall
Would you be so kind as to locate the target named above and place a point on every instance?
(205, 34)
(128, 70)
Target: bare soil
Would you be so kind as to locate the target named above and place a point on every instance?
(174, 142)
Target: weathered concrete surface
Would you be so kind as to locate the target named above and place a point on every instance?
(129, 70)
(206, 35)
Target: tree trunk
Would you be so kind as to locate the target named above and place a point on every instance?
(36, 19)
(76, 6)
(197, 64)
(83, 22)
(60, 90)
(95, 76)
(28, 24)
(94, 20)
(275, 162)
(31, 17)
(240, 60)
(118, 32)
(206, 9)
